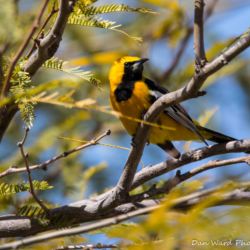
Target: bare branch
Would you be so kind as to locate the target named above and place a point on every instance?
(14, 60)
(177, 57)
(173, 182)
(43, 166)
(25, 157)
(151, 172)
(183, 44)
(200, 56)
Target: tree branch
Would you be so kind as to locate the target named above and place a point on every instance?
(46, 49)
(33, 48)
(173, 182)
(14, 60)
(88, 247)
(200, 56)
(44, 165)
(89, 210)
(49, 45)
(234, 197)
(151, 172)
(183, 44)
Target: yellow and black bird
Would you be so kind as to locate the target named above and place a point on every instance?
(132, 95)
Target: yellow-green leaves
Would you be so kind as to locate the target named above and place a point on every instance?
(53, 63)
(6, 189)
(96, 10)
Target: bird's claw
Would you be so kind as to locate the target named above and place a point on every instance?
(133, 143)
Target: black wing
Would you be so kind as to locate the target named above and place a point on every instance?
(176, 112)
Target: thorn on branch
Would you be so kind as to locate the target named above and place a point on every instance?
(37, 41)
(201, 93)
(224, 61)
(65, 154)
(178, 173)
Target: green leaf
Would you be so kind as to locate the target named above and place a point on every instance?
(6, 189)
(87, 174)
(53, 63)
(91, 21)
(96, 10)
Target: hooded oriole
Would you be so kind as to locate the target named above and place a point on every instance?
(132, 94)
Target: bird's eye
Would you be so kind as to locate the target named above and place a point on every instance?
(126, 64)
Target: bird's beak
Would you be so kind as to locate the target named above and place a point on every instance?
(138, 63)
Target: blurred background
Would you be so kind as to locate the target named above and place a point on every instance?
(95, 49)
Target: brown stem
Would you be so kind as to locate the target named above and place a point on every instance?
(14, 60)
(33, 48)
(200, 56)
(25, 157)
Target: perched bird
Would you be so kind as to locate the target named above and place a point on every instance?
(132, 95)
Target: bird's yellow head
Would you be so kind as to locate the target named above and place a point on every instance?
(127, 68)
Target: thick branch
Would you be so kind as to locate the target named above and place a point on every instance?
(200, 56)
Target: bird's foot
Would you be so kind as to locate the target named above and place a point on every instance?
(133, 142)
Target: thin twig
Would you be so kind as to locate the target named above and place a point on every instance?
(14, 169)
(177, 57)
(90, 246)
(3, 48)
(25, 157)
(183, 44)
(33, 48)
(14, 60)
(200, 56)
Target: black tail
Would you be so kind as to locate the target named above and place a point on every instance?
(215, 136)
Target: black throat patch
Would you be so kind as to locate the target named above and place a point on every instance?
(124, 90)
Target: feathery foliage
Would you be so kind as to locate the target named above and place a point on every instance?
(64, 100)
(53, 63)
(20, 84)
(94, 10)
(6, 189)
(93, 21)
(37, 213)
